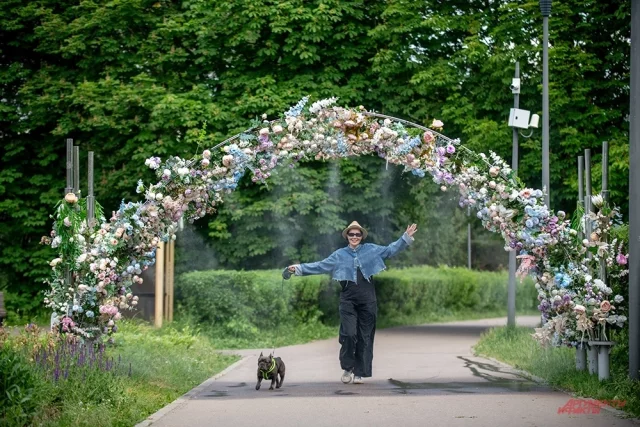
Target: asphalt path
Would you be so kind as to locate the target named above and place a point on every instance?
(422, 376)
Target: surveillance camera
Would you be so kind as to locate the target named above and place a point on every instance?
(515, 86)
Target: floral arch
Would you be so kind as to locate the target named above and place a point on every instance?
(106, 259)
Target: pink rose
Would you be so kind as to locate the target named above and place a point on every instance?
(605, 306)
(70, 198)
(621, 259)
(428, 137)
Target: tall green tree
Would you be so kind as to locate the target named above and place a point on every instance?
(133, 78)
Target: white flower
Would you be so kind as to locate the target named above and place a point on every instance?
(621, 320)
(183, 171)
(166, 173)
(618, 299)
(277, 129)
(437, 124)
(206, 154)
(597, 200)
(158, 196)
(82, 258)
(55, 262)
(323, 103)
(599, 284)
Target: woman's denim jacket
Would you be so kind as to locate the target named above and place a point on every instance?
(343, 263)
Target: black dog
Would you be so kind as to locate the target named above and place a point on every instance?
(269, 368)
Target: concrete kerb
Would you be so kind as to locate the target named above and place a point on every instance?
(539, 380)
(188, 395)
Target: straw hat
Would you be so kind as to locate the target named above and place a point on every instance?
(355, 225)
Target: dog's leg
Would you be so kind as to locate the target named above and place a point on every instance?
(273, 380)
(259, 381)
(281, 380)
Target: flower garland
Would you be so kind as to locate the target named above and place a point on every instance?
(104, 261)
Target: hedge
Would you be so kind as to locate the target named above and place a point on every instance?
(241, 303)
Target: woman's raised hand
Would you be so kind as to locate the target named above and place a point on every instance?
(411, 230)
(292, 268)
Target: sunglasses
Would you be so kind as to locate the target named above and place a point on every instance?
(354, 234)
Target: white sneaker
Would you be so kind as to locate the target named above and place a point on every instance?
(358, 380)
(347, 376)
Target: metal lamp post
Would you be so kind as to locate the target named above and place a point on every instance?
(511, 288)
(545, 8)
(634, 196)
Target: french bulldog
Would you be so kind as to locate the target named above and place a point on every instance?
(270, 368)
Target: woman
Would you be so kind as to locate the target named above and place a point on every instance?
(353, 266)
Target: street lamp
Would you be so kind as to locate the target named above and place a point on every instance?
(518, 119)
(545, 9)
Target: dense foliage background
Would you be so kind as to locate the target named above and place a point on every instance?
(133, 78)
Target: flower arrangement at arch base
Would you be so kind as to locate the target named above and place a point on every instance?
(582, 282)
(97, 264)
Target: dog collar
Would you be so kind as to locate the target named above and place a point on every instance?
(265, 374)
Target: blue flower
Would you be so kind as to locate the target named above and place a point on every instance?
(297, 109)
(529, 223)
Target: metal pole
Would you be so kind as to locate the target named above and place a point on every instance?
(69, 188)
(468, 239)
(91, 201)
(580, 179)
(634, 196)
(605, 171)
(76, 170)
(68, 276)
(580, 188)
(604, 191)
(587, 196)
(545, 7)
(511, 289)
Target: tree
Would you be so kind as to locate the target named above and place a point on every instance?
(136, 78)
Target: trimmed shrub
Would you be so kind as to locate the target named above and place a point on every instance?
(242, 303)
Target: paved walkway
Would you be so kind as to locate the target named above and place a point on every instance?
(423, 376)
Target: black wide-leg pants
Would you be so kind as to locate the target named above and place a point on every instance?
(357, 330)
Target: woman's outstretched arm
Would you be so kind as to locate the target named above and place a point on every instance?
(326, 266)
(400, 244)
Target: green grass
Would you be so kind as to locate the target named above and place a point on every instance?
(556, 366)
(290, 334)
(164, 364)
(448, 316)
